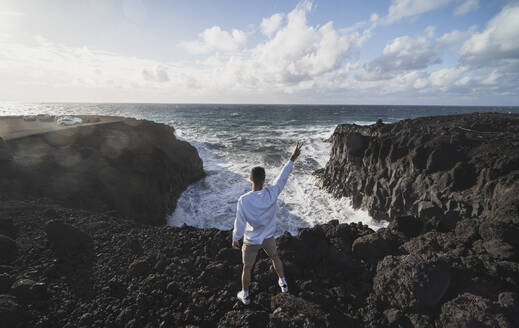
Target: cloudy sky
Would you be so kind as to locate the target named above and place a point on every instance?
(442, 52)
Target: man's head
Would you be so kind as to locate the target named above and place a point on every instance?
(257, 175)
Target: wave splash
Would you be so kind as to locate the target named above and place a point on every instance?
(211, 202)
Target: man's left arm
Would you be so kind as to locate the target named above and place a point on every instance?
(239, 226)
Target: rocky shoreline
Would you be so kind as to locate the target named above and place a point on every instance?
(449, 258)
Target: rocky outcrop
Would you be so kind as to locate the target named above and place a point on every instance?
(65, 239)
(135, 168)
(11, 313)
(437, 169)
(141, 275)
(8, 249)
(412, 281)
(5, 154)
(469, 310)
(450, 188)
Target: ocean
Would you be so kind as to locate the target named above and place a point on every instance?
(231, 139)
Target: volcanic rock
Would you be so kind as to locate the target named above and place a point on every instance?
(29, 289)
(7, 227)
(411, 281)
(469, 310)
(392, 315)
(510, 303)
(66, 239)
(8, 249)
(375, 246)
(466, 231)
(5, 153)
(248, 319)
(509, 300)
(11, 313)
(427, 167)
(291, 311)
(405, 226)
(140, 267)
(5, 282)
(136, 168)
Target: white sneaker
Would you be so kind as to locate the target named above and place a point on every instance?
(283, 286)
(244, 299)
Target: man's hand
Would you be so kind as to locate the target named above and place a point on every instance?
(297, 151)
(235, 244)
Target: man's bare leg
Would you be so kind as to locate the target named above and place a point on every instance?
(245, 277)
(278, 266)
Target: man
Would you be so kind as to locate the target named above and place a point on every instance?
(256, 222)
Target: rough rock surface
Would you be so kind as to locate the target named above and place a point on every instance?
(412, 281)
(5, 154)
(450, 188)
(11, 313)
(8, 249)
(469, 310)
(140, 275)
(147, 276)
(135, 168)
(66, 239)
(438, 169)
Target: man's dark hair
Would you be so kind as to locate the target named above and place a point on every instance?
(257, 175)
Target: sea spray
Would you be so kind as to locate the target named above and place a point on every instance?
(211, 202)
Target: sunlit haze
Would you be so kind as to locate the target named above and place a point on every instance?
(452, 52)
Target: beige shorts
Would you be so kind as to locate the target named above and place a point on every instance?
(249, 252)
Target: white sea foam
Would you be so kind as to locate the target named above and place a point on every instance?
(211, 202)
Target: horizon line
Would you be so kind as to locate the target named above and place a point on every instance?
(245, 104)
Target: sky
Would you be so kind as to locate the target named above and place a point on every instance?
(408, 52)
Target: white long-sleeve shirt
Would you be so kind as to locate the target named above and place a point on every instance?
(256, 211)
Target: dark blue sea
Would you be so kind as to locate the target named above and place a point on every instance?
(233, 138)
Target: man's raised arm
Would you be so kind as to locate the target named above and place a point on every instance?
(282, 178)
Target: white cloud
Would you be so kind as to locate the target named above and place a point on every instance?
(11, 13)
(400, 9)
(454, 37)
(216, 39)
(299, 52)
(497, 42)
(403, 54)
(158, 74)
(297, 58)
(466, 6)
(492, 78)
(297, 62)
(57, 65)
(446, 77)
(271, 24)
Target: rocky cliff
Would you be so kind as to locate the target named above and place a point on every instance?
(450, 187)
(437, 169)
(135, 168)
